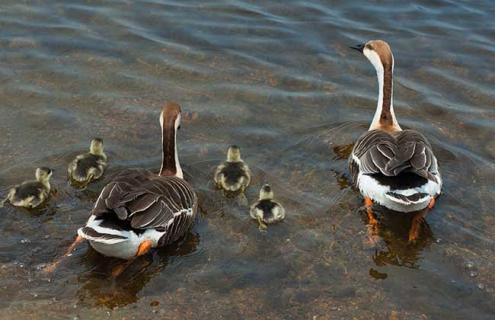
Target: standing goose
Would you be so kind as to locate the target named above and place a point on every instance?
(393, 167)
(139, 210)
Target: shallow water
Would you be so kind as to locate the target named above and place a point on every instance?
(278, 80)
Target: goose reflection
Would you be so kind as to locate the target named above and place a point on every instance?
(99, 288)
(396, 232)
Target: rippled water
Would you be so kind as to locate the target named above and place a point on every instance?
(277, 79)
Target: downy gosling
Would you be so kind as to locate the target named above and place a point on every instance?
(233, 175)
(89, 166)
(31, 194)
(266, 210)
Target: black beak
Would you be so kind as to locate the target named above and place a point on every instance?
(358, 47)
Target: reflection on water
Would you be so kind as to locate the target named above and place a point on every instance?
(398, 249)
(98, 287)
(278, 80)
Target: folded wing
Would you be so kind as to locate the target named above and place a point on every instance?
(391, 154)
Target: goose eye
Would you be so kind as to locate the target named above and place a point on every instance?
(178, 128)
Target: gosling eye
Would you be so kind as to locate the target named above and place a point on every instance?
(178, 128)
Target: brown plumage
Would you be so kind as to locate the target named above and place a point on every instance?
(391, 166)
(139, 209)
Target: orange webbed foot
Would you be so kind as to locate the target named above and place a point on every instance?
(144, 247)
(432, 203)
(373, 237)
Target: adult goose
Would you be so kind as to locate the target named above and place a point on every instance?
(139, 210)
(393, 167)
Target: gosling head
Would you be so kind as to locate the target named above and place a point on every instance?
(170, 116)
(233, 154)
(96, 147)
(43, 174)
(266, 192)
(378, 53)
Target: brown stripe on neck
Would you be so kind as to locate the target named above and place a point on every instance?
(386, 115)
(168, 160)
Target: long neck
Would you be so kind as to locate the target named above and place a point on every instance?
(170, 157)
(384, 115)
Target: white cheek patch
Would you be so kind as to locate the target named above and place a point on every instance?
(375, 60)
(177, 122)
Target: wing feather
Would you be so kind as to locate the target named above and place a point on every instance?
(143, 200)
(380, 152)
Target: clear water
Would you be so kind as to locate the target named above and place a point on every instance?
(276, 78)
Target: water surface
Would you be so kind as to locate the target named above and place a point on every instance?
(276, 78)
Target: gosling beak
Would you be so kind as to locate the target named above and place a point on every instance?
(358, 47)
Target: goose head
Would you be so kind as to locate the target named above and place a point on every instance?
(170, 123)
(233, 154)
(96, 147)
(266, 192)
(43, 174)
(378, 53)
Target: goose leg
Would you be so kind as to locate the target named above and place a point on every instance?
(432, 203)
(143, 248)
(7, 198)
(372, 221)
(52, 266)
(261, 225)
(418, 221)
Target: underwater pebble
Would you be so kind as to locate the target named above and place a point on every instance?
(22, 42)
(469, 265)
(438, 240)
(25, 241)
(40, 267)
(473, 274)
(481, 286)
(154, 303)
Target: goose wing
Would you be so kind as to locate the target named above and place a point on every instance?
(377, 151)
(145, 201)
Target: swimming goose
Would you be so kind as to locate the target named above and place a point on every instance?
(139, 210)
(266, 210)
(89, 166)
(233, 175)
(390, 166)
(31, 194)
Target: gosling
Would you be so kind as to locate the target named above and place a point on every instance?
(33, 193)
(266, 210)
(233, 175)
(90, 166)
